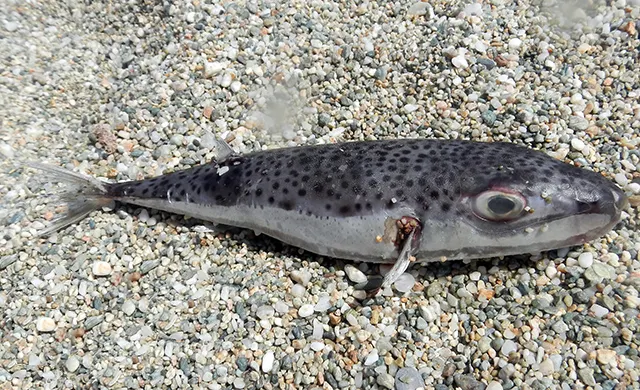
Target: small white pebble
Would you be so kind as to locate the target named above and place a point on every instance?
(599, 311)
(324, 303)
(354, 274)
(267, 361)
(213, 68)
(226, 80)
(144, 215)
(301, 276)
(494, 385)
(372, 357)
(475, 276)
(45, 324)
(405, 282)
(508, 347)
(101, 268)
(128, 307)
(515, 43)
(551, 271)
(621, 179)
(317, 346)
(546, 367)
(585, 260)
(577, 144)
(305, 310)
(460, 62)
(634, 187)
(508, 334)
(72, 363)
(281, 307)
(6, 150)
(297, 290)
(576, 98)
(235, 86)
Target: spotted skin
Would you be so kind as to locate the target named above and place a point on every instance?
(349, 200)
(360, 178)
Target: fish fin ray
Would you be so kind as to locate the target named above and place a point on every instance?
(82, 196)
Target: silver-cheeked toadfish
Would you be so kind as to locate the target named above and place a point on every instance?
(388, 201)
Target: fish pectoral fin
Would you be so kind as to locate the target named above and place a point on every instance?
(403, 261)
(408, 238)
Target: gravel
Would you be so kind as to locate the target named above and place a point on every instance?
(136, 298)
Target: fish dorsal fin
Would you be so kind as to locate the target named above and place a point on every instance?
(223, 150)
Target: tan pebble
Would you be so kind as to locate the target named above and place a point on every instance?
(207, 112)
(634, 200)
(298, 344)
(605, 356)
(629, 28)
(334, 319)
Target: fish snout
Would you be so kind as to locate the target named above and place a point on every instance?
(620, 200)
(610, 201)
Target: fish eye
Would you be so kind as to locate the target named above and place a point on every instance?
(498, 205)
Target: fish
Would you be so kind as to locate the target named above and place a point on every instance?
(395, 201)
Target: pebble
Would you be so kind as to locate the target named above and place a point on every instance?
(128, 307)
(577, 144)
(408, 378)
(385, 380)
(213, 68)
(267, 361)
(546, 367)
(405, 282)
(101, 268)
(372, 357)
(586, 375)
(305, 311)
(460, 62)
(605, 356)
(494, 385)
(515, 43)
(323, 304)
(621, 179)
(354, 274)
(45, 324)
(6, 150)
(301, 276)
(585, 260)
(508, 347)
(11, 26)
(599, 311)
(72, 363)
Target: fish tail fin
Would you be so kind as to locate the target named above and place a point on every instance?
(82, 195)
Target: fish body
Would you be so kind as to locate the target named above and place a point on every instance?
(350, 200)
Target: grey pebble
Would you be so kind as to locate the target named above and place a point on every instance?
(92, 322)
(467, 382)
(408, 378)
(586, 375)
(385, 380)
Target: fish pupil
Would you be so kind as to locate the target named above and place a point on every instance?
(501, 205)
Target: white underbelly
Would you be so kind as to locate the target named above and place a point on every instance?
(361, 238)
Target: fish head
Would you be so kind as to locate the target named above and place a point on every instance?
(509, 208)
